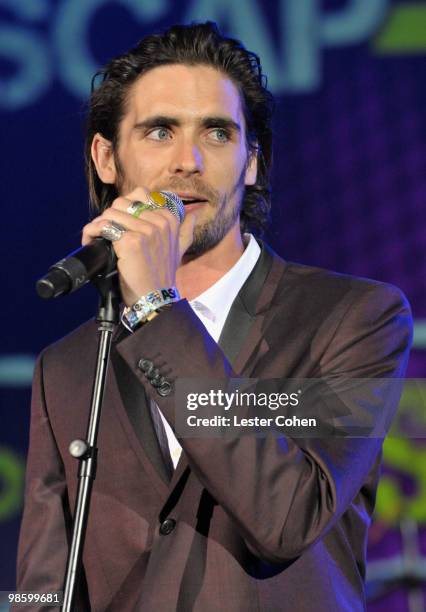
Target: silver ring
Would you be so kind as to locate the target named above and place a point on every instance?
(113, 231)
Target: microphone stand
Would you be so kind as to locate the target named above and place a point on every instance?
(85, 450)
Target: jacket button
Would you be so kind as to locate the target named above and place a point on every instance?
(165, 388)
(157, 381)
(167, 526)
(145, 365)
(153, 373)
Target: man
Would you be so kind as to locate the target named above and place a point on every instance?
(215, 523)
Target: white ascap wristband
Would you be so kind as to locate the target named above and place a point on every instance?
(140, 311)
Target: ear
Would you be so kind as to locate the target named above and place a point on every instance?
(103, 158)
(251, 170)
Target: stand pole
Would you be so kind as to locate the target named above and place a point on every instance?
(85, 450)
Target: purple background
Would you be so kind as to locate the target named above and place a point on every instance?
(349, 188)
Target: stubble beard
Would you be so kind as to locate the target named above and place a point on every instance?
(209, 233)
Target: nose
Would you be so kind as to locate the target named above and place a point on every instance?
(187, 158)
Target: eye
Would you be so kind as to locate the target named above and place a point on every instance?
(159, 133)
(220, 135)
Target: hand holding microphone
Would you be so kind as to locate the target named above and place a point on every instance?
(156, 200)
(148, 247)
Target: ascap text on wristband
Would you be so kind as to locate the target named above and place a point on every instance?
(139, 312)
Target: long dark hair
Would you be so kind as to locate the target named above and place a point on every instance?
(192, 45)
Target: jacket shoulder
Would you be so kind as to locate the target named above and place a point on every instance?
(320, 282)
(78, 345)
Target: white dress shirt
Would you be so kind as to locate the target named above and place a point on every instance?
(211, 307)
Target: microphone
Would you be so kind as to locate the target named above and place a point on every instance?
(96, 259)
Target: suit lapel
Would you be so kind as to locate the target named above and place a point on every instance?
(242, 314)
(241, 339)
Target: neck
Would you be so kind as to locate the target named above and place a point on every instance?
(198, 274)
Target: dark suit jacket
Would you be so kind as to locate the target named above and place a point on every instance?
(259, 524)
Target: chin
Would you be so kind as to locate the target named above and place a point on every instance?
(208, 235)
(201, 246)
(205, 239)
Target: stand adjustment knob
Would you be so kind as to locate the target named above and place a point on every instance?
(78, 448)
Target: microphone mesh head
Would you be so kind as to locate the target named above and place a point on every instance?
(174, 204)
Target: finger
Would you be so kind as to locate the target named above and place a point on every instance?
(123, 204)
(93, 229)
(164, 220)
(140, 194)
(158, 225)
(161, 218)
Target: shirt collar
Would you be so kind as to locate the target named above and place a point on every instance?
(216, 301)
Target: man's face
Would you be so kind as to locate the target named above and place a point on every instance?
(184, 131)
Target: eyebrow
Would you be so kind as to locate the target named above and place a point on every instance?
(215, 121)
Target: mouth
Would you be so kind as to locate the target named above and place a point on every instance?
(192, 199)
